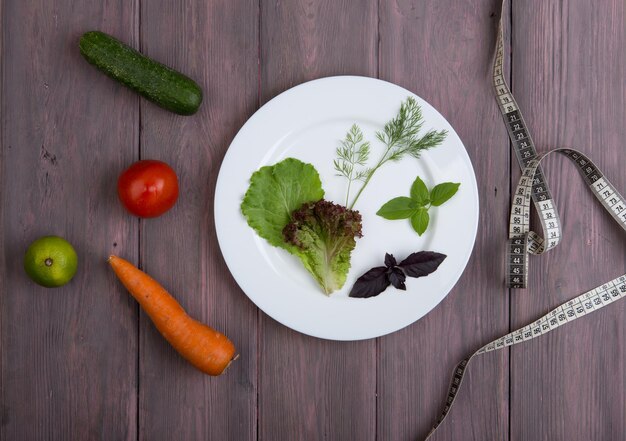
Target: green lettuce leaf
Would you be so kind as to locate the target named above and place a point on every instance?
(274, 193)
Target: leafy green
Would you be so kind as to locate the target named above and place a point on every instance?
(322, 235)
(401, 137)
(284, 205)
(416, 207)
(398, 208)
(419, 192)
(419, 220)
(275, 192)
(442, 192)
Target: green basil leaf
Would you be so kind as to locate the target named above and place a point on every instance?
(419, 192)
(419, 221)
(398, 208)
(442, 192)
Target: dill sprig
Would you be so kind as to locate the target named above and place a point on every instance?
(401, 138)
(352, 155)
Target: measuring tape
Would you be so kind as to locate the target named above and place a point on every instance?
(532, 187)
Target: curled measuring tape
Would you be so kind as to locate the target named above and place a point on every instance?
(532, 187)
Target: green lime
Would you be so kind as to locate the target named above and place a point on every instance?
(50, 261)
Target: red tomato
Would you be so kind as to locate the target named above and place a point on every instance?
(148, 188)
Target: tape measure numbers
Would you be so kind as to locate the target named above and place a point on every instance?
(533, 188)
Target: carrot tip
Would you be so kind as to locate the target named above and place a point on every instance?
(229, 363)
(111, 257)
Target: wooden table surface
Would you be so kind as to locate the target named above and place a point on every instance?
(84, 363)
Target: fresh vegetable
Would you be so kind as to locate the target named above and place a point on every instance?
(323, 235)
(274, 193)
(148, 188)
(416, 207)
(202, 346)
(400, 137)
(284, 206)
(50, 261)
(284, 202)
(376, 280)
(154, 81)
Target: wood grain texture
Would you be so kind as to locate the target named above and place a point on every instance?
(69, 355)
(312, 389)
(216, 43)
(568, 71)
(80, 362)
(425, 46)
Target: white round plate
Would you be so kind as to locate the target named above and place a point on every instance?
(307, 122)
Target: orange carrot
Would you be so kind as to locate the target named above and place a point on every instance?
(199, 344)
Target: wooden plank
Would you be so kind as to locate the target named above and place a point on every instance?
(69, 361)
(442, 51)
(312, 389)
(216, 43)
(568, 61)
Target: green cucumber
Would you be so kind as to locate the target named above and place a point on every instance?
(156, 82)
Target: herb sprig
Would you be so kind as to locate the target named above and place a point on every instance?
(401, 137)
(352, 155)
(376, 280)
(416, 207)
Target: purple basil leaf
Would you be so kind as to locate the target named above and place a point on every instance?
(397, 278)
(371, 283)
(390, 261)
(422, 264)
